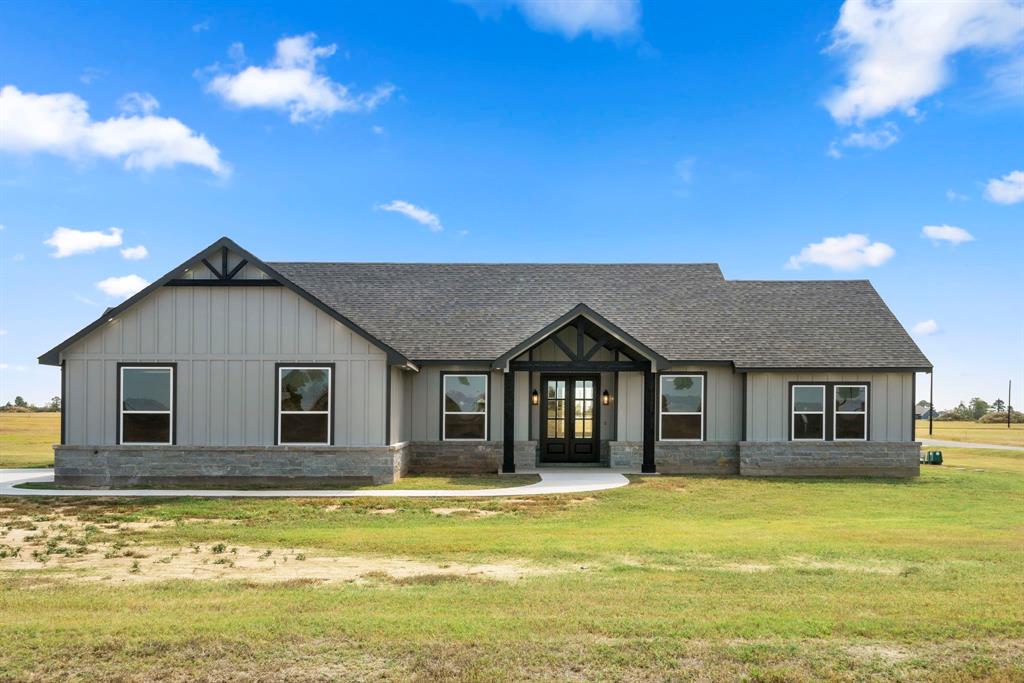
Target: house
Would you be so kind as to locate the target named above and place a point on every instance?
(924, 412)
(237, 370)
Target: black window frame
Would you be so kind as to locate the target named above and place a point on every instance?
(487, 406)
(119, 437)
(830, 409)
(299, 365)
(703, 403)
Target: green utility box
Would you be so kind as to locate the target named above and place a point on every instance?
(932, 458)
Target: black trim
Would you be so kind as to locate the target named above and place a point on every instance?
(579, 366)
(650, 392)
(52, 357)
(246, 282)
(508, 464)
(703, 402)
(174, 397)
(913, 407)
(277, 400)
(580, 310)
(830, 408)
(743, 410)
(487, 416)
(64, 402)
(387, 405)
(834, 368)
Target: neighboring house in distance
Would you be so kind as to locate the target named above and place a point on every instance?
(234, 369)
(924, 412)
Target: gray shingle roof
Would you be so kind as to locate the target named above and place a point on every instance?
(681, 311)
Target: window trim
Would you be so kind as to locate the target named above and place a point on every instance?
(331, 375)
(703, 404)
(173, 412)
(867, 406)
(487, 403)
(793, 412)
(830, 408)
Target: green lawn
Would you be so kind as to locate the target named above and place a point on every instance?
(710, 578)
(973, 432)
(26, 439)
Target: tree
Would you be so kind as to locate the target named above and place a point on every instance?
(20, 402)
(922, 404)
(978, 407)
(999, 405)
(54, 404)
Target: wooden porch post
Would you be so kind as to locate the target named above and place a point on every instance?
(509, 462)
(650, 394)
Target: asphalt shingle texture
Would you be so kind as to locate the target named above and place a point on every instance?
(685, 312)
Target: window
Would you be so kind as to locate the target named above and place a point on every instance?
(809, 412)
(682, 407)
(851, 414)
(147, 404)
(304, 405)
(464, 407)
(829, 412)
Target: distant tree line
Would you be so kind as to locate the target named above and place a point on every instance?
(978, 410)
(20, 405)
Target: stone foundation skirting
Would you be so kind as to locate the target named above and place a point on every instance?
(266, 466)
(830, 459)
(679, 457)
(455, 457)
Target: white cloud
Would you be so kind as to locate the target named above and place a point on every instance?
(89, 75)
(121, 287)
(134, 253)
(84, 300)
(378, 130)
(60, 124)
(684, 169)
(602, 18)
(898, 52)
(879, 138)
(954, 196)
(201, 26)
(138, 103)
(946, 233)
(17, 258)
(849, 252)
(68, 241)
(291, 83)
(926, 327)
(1006, 190)
(416, 213)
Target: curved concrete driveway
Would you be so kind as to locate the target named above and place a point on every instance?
(551, 481)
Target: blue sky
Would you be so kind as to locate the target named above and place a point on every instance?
(796, 140)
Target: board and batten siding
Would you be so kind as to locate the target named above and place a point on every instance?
(422, 407)
(890, 402)
(225, 341)
(724, 407)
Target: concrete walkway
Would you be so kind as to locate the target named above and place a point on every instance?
(967, 444)
(551, 481)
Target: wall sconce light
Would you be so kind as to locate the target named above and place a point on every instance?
(606, 398)
(535, 398)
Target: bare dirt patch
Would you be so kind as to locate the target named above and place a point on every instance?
(464, 512)
(69, 549)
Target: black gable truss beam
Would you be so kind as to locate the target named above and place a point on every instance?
(224, 277)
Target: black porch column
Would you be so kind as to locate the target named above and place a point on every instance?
(650, 396)
(509, 462)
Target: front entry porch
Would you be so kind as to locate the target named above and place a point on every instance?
(570, 366)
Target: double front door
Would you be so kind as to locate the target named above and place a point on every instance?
(569, 419)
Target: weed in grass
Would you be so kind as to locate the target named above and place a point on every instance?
(15, 551)
(265, 555)
(135, 569)
(219, 548)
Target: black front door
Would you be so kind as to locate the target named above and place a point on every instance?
(570, 428)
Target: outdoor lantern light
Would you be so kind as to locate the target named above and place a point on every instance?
(535, 398)
(606, 398)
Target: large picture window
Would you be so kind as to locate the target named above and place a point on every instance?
(146, 404)
(305, 397)
(809, 412)
(464, 407)
(850, 421)
(682, 407)
(829, 411)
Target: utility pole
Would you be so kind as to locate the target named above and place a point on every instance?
(931, 400)
(1009, 410)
